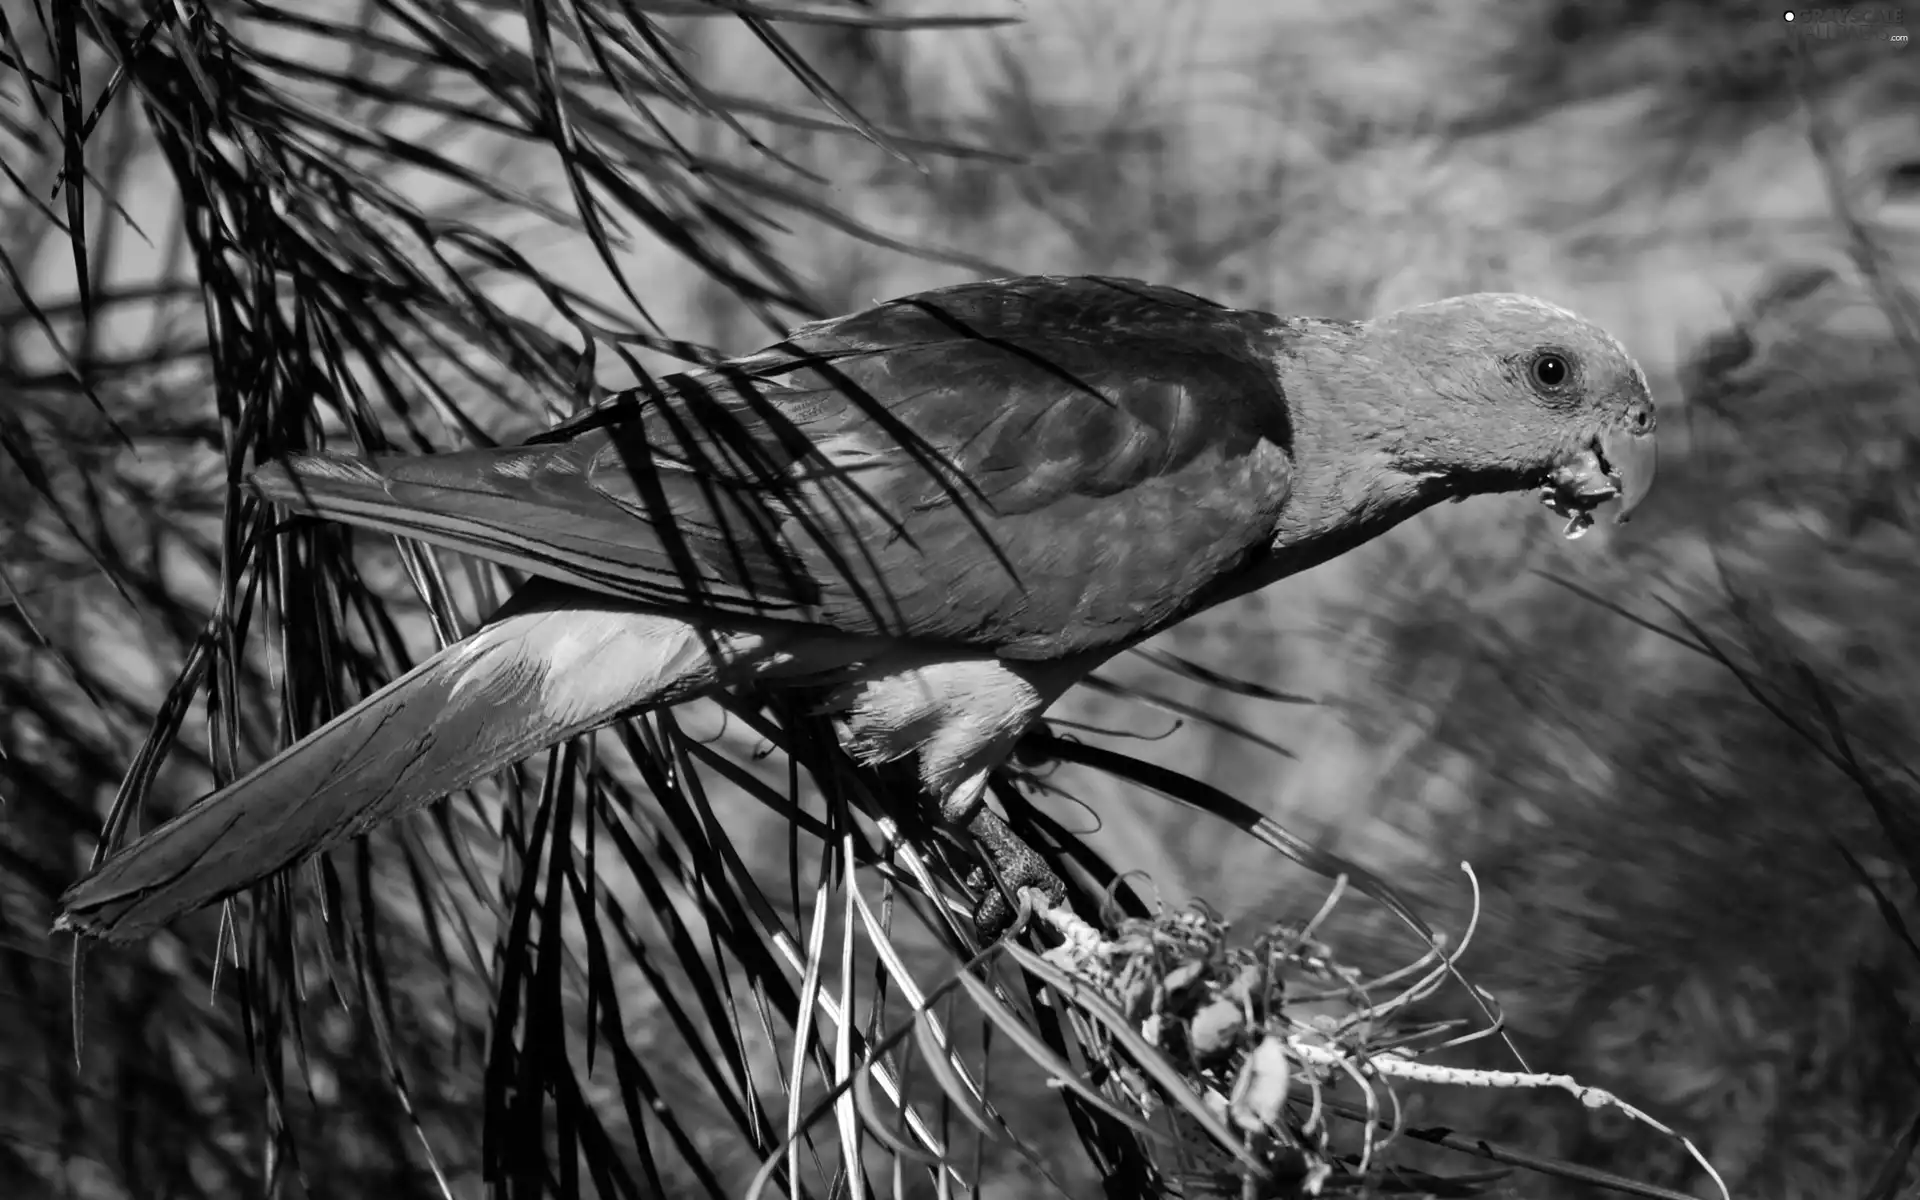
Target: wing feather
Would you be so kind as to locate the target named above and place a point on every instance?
(1038, 466)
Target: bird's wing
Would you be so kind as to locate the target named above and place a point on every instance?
(1035, 466)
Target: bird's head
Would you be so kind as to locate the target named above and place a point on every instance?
(1515, 393)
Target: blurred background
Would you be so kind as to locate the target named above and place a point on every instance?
(1678, 754)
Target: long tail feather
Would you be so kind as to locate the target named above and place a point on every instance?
(473, 520)
(567, 663)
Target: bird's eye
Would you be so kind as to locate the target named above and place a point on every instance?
(1549, 371)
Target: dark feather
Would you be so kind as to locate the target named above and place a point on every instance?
(1036, 466)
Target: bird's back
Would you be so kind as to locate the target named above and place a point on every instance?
(1032, 467)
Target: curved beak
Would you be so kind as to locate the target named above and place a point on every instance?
(1633, 456)
(1618, 464)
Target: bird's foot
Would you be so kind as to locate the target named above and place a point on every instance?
(1011, 866)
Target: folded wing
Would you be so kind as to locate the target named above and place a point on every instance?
(1036, 466)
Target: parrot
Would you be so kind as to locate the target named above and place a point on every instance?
(936, 515)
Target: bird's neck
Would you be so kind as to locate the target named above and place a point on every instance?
(1318, 524)
(1358, 470)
